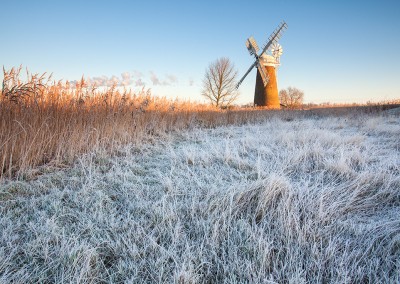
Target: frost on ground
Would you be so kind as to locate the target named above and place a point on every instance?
(312, 200)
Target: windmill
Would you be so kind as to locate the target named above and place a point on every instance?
(266, 90)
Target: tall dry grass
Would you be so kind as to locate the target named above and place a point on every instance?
(47, 122)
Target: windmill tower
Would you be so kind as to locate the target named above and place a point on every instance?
(266, 90)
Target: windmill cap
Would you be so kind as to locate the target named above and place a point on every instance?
(268, 60)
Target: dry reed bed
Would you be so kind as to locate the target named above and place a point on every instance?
(299, 200)
(51, 123)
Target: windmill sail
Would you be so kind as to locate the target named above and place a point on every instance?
(275, 36)
(252, 46)
(247, 73)
(264, 76)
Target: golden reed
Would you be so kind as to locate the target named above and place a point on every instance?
(43, 122)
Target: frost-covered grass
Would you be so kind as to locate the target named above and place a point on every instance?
(303, 200)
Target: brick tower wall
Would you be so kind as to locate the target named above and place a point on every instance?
(267, 96)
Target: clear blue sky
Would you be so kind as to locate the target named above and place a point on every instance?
(337, 51)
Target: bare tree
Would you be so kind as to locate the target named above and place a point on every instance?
(219, 84)
(291, 97)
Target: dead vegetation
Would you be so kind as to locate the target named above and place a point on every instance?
(156, 192)
(43, 122)
(301, 200)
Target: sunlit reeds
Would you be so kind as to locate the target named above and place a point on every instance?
(48, 122)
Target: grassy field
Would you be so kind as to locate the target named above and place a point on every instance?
(111, 185)
(286, 198)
